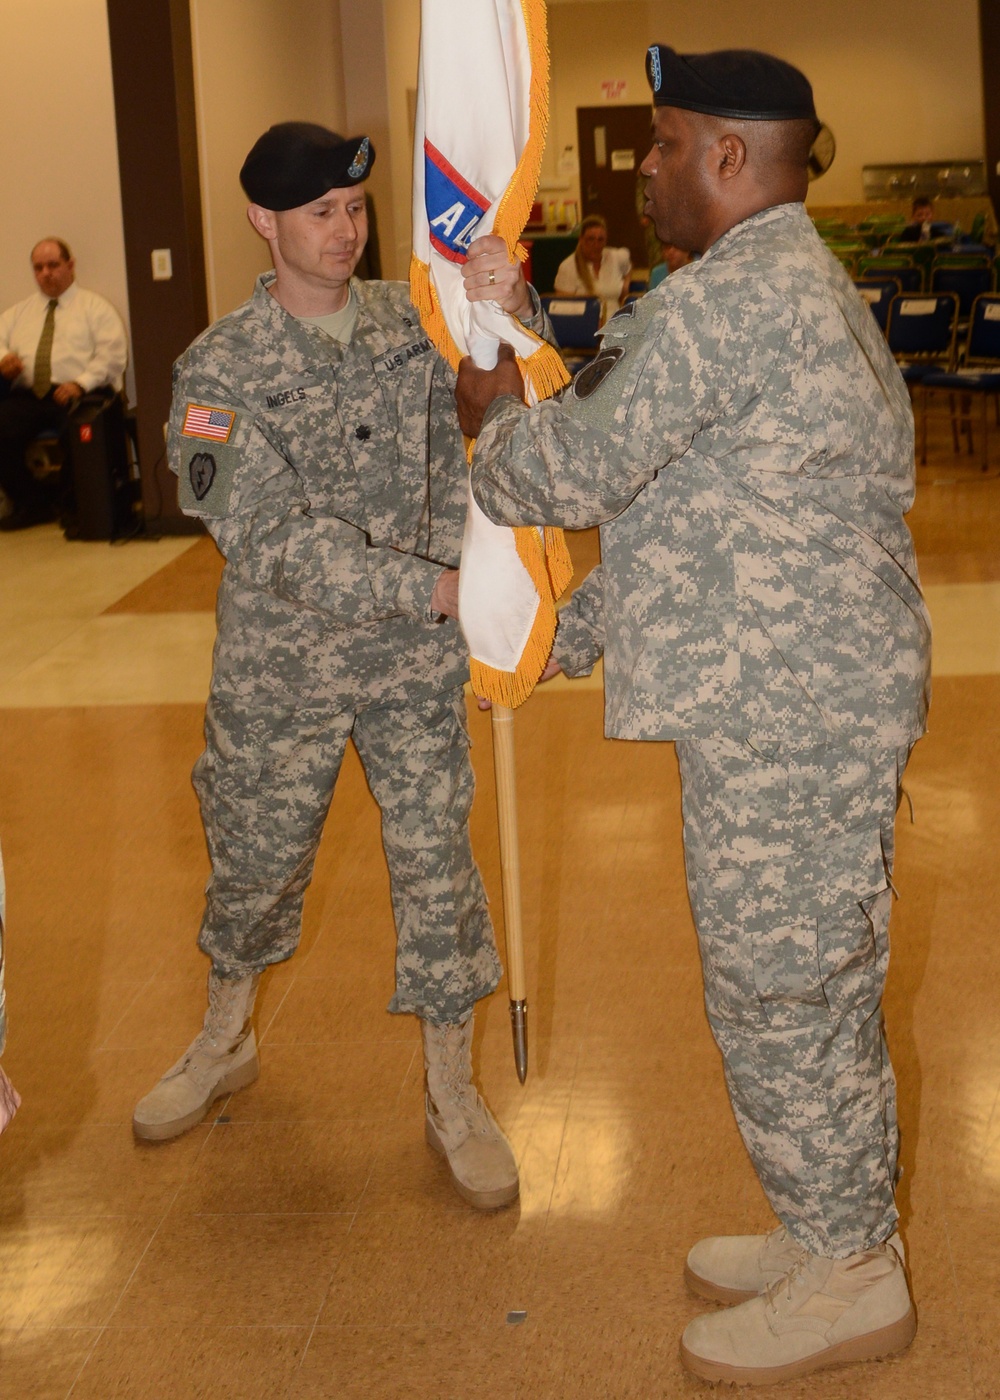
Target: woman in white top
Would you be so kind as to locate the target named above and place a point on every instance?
(595, 270)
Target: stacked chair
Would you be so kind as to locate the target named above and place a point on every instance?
(921, 333)
(967, 275)
(978, 375)
(930, 297)
(898, 265)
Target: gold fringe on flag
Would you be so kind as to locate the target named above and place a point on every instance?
(544, 554)
(515, 206)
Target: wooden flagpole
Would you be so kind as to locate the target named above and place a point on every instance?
(510, 871)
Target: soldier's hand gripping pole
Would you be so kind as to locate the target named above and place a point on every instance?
(510, 870)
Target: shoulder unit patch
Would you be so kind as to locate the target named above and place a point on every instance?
(592, 376)
(201, 470)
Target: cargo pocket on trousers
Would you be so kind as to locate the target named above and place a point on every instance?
(822, 958)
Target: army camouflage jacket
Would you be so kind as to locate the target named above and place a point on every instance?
(333, 480)
(745, 441)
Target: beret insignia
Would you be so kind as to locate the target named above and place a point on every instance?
(655, 72)
(359, 164)
(294, 163)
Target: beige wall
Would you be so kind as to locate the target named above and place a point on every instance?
(59, 155)
(897, 80)
(911, 96)
(256, 62)
(402, 24)
(366, 85)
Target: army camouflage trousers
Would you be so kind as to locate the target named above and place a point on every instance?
(789, 859)
(265, 782)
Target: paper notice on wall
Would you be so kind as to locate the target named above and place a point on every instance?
(569, 165)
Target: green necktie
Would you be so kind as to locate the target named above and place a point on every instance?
(42, 382)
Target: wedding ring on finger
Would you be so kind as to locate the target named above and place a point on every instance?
(493, 280)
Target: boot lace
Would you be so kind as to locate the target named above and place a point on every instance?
(783, 1285)
(453, 1071)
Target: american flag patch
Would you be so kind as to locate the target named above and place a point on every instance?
(213, 423)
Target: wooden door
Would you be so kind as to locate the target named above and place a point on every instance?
(613, 141)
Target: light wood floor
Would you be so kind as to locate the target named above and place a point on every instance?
(304, 1242)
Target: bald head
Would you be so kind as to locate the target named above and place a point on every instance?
(775, 154)
(708, 173)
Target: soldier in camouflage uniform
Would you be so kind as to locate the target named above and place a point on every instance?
(314, 432)
(745, 442)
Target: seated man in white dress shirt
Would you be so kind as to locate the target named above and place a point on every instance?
(59, 344)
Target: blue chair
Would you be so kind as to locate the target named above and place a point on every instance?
(878, 292)
(979, 374)
(921, 334)
(575, 323)
(966, 282)
(903, 268)
(969, 247)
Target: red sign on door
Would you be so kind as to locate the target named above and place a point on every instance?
(86, 432)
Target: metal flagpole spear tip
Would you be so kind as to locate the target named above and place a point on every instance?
(519, 1030)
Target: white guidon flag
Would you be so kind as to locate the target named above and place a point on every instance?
(480, 128)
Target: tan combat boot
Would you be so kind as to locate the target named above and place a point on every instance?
(222, 1059)
(459, 1125)
(733, 1268)
(824, 1312)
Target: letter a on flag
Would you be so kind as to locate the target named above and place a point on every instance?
(481, 118)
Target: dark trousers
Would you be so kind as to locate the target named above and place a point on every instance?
(22, 418)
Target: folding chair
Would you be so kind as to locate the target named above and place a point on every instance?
(898, 265)
(885, 225)
(575, 323)
(921, 335)
(878, 292)
(965, 255)
(979, 374)
(966, 282)
(833, 228)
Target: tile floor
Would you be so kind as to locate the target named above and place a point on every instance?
(304, 1242)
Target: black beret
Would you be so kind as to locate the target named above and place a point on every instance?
(294, 163)
(740, 83)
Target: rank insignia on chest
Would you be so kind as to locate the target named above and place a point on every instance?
(214, 424)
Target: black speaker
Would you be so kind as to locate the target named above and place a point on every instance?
(101, 473)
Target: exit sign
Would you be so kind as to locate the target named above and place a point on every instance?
(613, 89)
